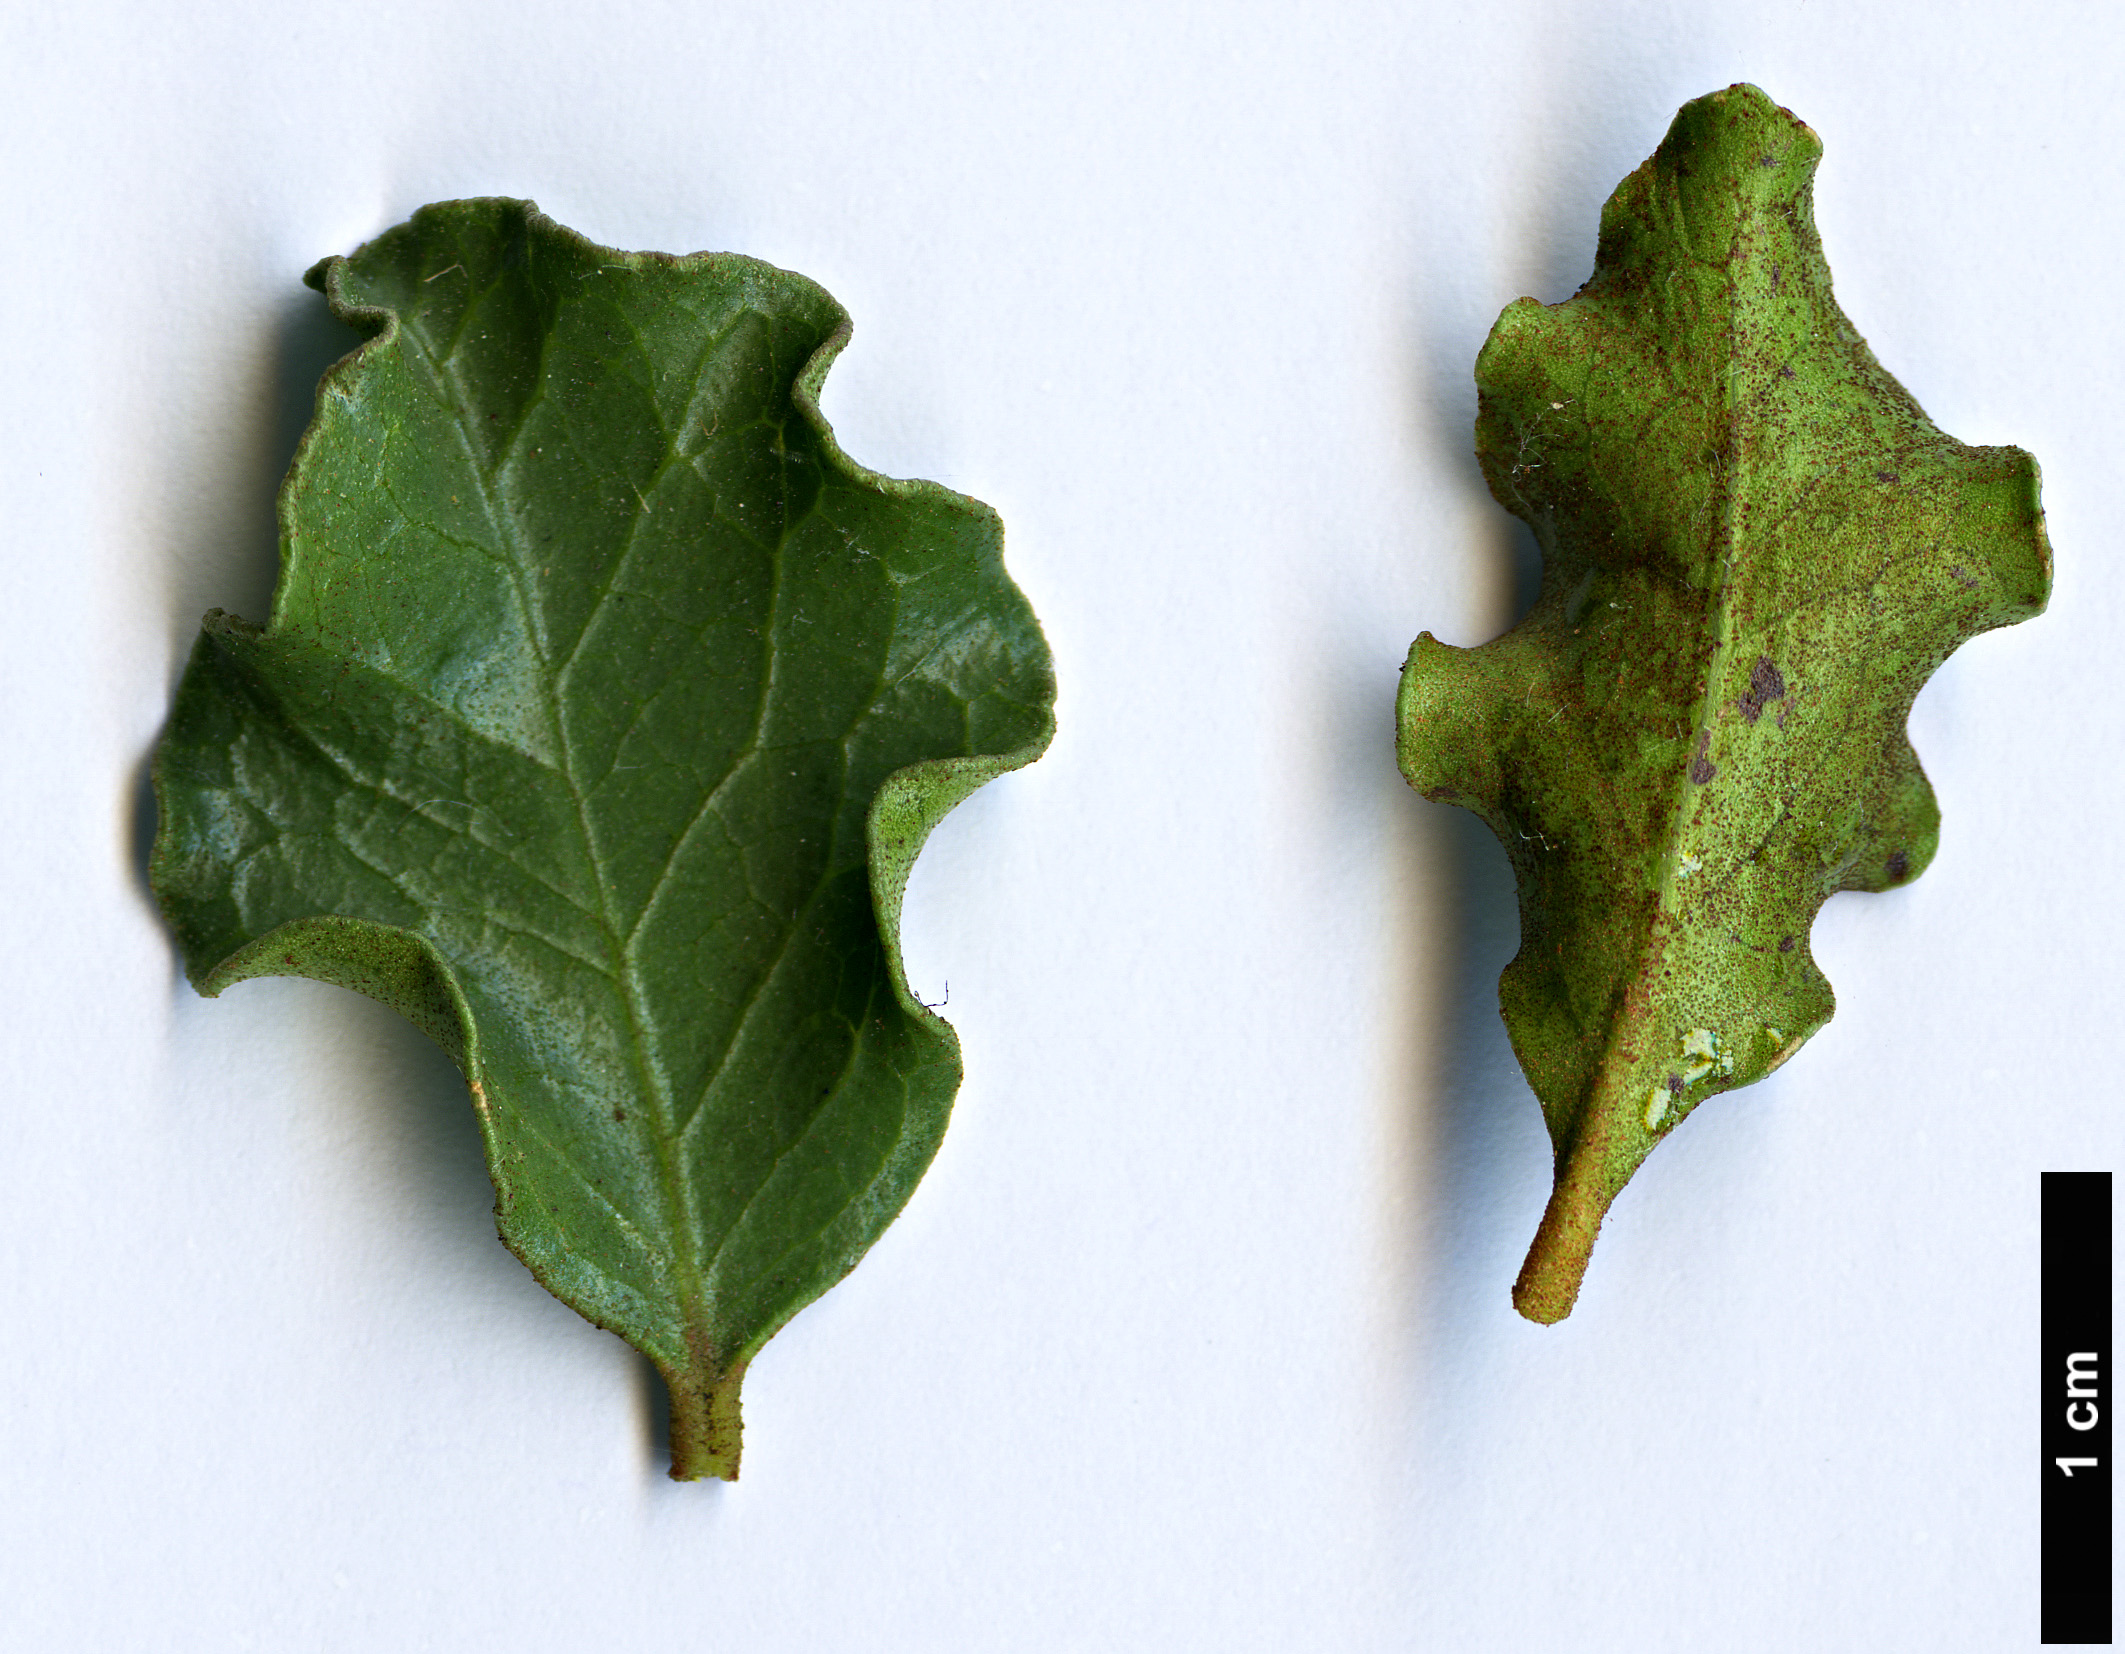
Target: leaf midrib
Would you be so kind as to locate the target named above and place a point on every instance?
(1665, 909)
(682, 1220)
(659, 1127)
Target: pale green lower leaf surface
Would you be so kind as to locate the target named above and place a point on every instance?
(603, 709)
(1756, 549)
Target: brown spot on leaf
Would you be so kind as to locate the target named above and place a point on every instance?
(1886, 476)
(1766, 684)
(1899, 867)
(1785, 944)
(1674, 1085)
(1962, 577)
(1702, 769)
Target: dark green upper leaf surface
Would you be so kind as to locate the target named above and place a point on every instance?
(1756, 549)
(602, 710)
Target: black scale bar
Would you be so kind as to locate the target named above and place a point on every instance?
(2076, 1402)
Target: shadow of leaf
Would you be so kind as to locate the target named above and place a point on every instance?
(417, 1111)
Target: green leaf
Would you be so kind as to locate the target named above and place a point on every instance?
(603, 710)
(1756, 549)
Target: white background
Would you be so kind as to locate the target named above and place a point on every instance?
(1197, 1337)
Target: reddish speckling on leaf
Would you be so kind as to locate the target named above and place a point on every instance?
(1738, 509)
